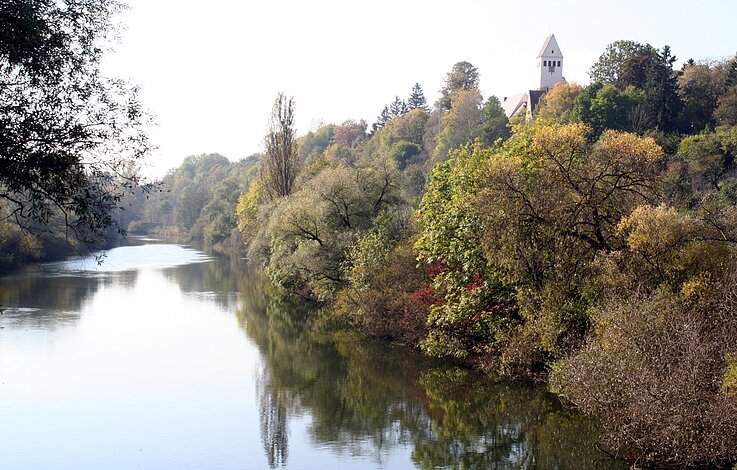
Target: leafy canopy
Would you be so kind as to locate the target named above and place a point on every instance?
(71, 140)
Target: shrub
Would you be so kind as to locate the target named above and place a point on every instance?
(389, 295)
(657, 373)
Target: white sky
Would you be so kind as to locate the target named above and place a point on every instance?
(210, 70)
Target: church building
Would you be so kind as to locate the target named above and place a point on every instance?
(549, 72)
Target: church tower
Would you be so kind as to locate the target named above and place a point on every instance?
(550, 64)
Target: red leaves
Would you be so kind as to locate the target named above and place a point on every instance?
(426, 297)
(434, 269)
(475, 283)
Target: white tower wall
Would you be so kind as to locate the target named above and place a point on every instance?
(550, 64)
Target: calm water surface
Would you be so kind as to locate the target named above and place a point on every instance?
(163, 357)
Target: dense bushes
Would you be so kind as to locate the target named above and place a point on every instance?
(303, 239)
(655, 368)
(655, 373)
(196, 201)
(388, 294)
(618, 263)
(477, 307)
(595, 242)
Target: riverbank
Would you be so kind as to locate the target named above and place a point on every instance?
(166, 356)
(19, 248)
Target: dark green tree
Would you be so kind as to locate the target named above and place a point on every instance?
(417, 98)
(631, 64)
(463, 76)
(381, 120)
(583, 101)
(495, 122)
(71, 140)
(609, 67)
(731, 73)
(661, 90)
(607, 107)
(634, 70)
(398, 107)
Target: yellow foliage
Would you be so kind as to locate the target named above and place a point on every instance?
(558, 102)
(730, 375)
(629, 149)
(672, 244)
(694, 288)
(551, 139)
(247, 210)
(655, 232)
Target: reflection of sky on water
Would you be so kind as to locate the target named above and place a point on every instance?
(127, 258)
(143, 377)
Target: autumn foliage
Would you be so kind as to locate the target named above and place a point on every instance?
(592, 248)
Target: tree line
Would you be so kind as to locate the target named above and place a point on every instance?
(591, 247)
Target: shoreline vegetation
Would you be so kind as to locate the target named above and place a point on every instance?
(591, 248)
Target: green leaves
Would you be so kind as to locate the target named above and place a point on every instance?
(710, 157)
(475, 301)
(72, 140)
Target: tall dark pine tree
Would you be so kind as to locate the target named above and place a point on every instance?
(661, 90)
(731, 74)
(398, 107)
(416, 98)
(381, 120)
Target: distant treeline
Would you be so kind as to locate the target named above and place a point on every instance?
(195, 201)
(592, 247)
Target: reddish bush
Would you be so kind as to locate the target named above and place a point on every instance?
(475, 283)
(425, 297)
(434, 269)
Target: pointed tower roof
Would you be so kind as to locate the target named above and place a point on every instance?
(550, 48)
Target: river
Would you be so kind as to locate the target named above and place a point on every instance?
(164, 357)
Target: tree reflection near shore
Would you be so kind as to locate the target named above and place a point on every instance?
(273, 423)
(369, 399)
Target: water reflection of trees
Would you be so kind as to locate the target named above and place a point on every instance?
(273, 422)
(220, 275)
(366, 398)
(34, 300)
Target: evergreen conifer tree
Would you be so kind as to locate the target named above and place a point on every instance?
(660, 86)
(732, 73)
(398, 107)
(381, 120)
(463, 76)
(416, 98)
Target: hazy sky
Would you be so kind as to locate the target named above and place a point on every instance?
(210, 70)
